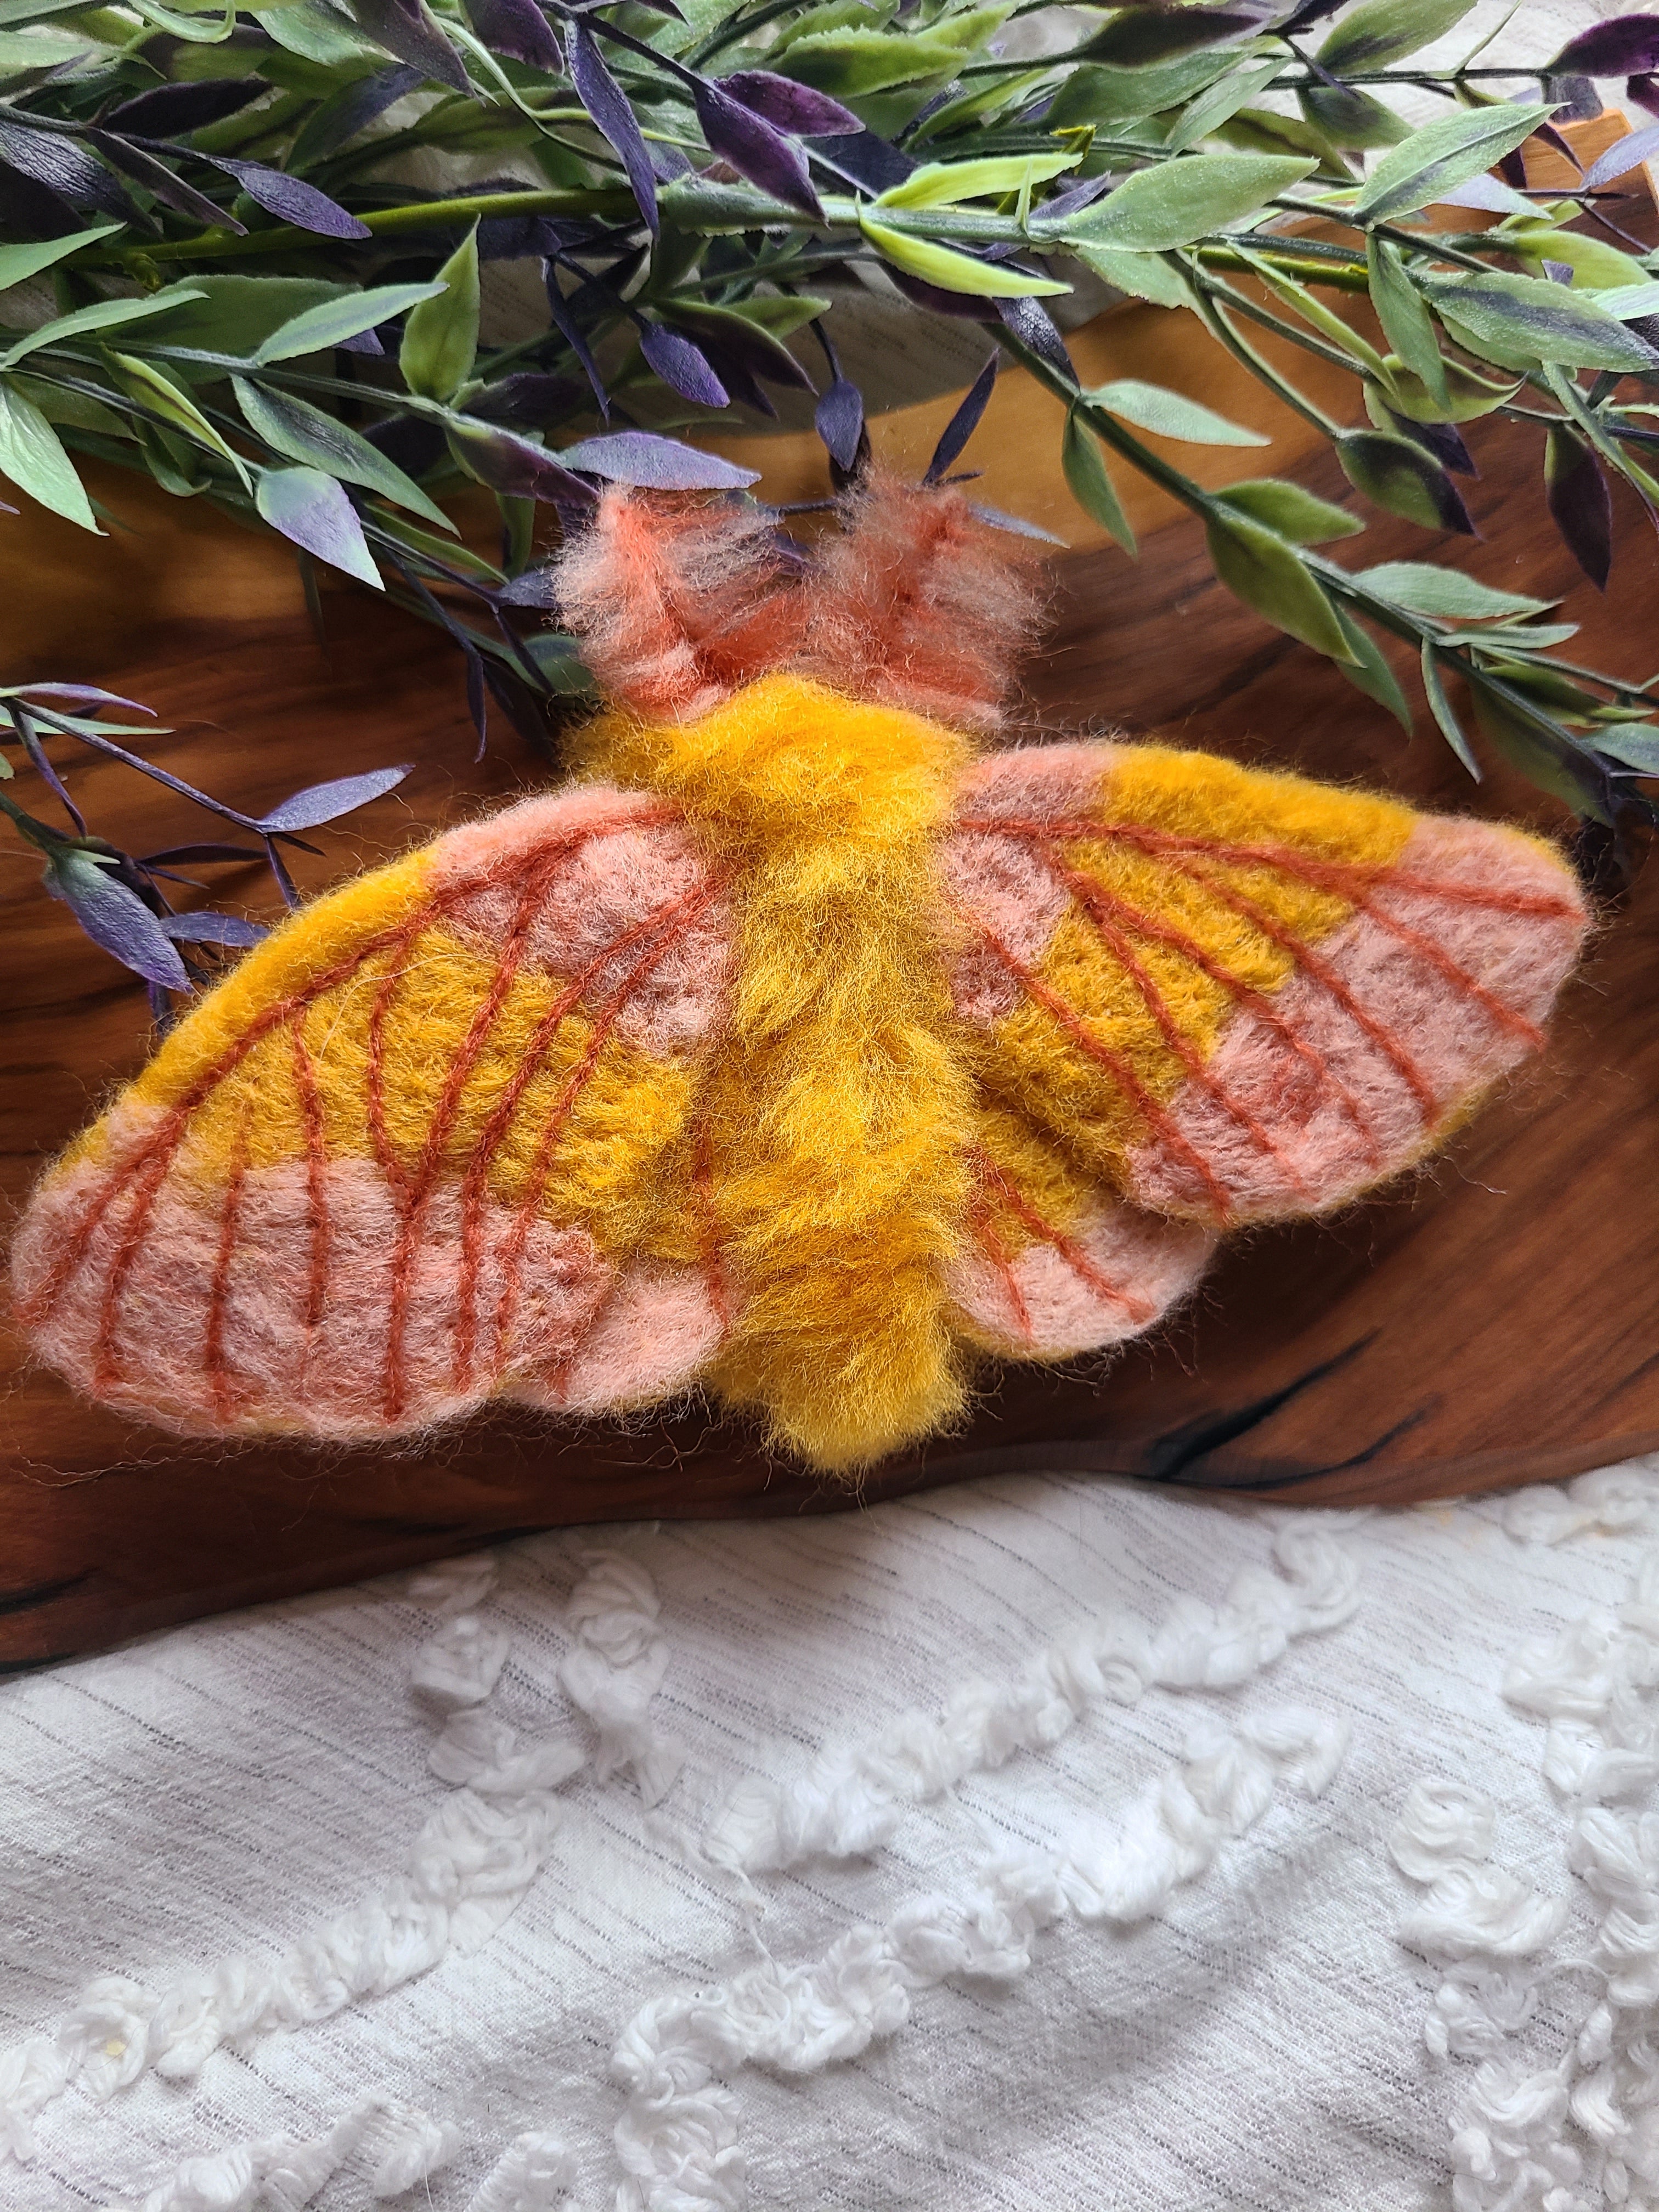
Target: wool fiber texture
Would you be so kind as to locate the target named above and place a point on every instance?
(796, 1051)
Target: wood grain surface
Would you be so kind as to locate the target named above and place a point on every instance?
(1491, 1322)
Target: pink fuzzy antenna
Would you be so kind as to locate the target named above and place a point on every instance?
(912, 602)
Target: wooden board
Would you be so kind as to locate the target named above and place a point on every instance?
(1492, 1322)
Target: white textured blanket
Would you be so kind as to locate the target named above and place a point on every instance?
(1033, 1844)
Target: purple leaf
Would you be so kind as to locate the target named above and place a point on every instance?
(22, 724)
(205, 928)
(726, 337)
(1644, 91)
(866, 161)
(519, 704)
(1443, 440)
(1576, 99)
(64, 168)
(326, 802)
(1139, 35)
(1579, 503)
(1619, 160)
(965, 307)
(963, 423)
(536, 587)
(190, 855)
(682, 366)
(167, 109)
(519, 29)
(1484, 193)
(735, 376)
(407, 31)
(83, 695)
(341, 116)
(839, 422)
(602, 96)
(655, 464)
(1078, 196)
(1033, 326)
(1014, 523)
(155, 176)
(568, 329)
(791, 107)
(478, 699)
(528, 397)
(1624, 46)
(770, 160)
(114, 917)
(292, 200)
(507, 463)
(312, 510)
(1559, 272)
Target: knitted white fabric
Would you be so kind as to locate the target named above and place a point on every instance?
(1046, 1843)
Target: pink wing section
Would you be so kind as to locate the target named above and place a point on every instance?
(1435, 981)
(352, 1292)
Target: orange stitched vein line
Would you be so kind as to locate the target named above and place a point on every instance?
(513, 1246)
(141, 1173)
(651, 926)
(213, 1347)
(1327, 977)
(984, 1231)
(1152, 999)
(1117, 1068)
(1457, 975)
(1138, 1309)
(311, 1114)
(1089, 893)
(417, 1188)
(1339, 876)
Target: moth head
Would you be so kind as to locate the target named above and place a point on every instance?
(680, 601)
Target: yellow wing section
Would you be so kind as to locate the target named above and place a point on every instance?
(430, 1141)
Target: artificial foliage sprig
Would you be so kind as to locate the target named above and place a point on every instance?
(255, 306)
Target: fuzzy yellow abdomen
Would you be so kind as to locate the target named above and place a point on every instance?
(835, 1157)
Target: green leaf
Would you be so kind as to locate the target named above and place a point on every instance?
(1469, 396)
(783, 314)
(1377, 32)
(1625, 302)
(1445, 592)
(1441, 707)
(1521, 322)
(154, 389)
(1546, 756)
(1406, 323)
(1635, 743)
(301, 432)
(1293, 512)
(1108, 96)
(1442, 153)
(953, 272)
(1221, 103)
(330, 324)
(440, 338)
(100, 315)
(18, 263)
(1350, 118)
(1091, 486)
(1269, 575)
(73, 410)
(441, 553)
(1142, 275)
(1595, 265)
(944, 183)
(1183, 200)
(1169, 415)
(1370, 673)
(850, 62)
(32, 457)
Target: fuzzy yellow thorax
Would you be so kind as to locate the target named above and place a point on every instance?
(839, 1117)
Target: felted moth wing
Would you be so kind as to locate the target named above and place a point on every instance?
(1219, 996)
(430, 1142)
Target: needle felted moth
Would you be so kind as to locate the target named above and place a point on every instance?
(803, 1048)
